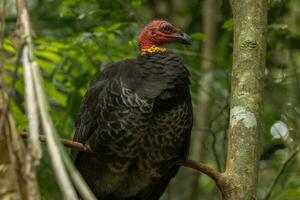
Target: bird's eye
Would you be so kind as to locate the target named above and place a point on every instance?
(167, 29)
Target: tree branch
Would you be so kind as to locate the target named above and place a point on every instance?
(198, 166)
(282, 169)
(67, 143)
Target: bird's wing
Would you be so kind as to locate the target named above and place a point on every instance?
(154, 191)
(86, 124)
(110, 113)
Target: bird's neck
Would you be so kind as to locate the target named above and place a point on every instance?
(148, 45)
(152, 49)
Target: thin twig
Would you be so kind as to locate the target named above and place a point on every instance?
(75, 175)
(67, 143)
(198, 166)
(282, 169)
(214, 137)
(220, 112)
(213, 174)
(214, 150)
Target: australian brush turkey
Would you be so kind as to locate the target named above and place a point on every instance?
(136, 118)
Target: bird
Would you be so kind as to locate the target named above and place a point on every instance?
(136, 119)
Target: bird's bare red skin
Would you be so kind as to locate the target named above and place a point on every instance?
(157, 33)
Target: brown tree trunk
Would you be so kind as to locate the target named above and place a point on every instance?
(250, 22)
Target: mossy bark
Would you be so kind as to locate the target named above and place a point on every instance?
(250, 22)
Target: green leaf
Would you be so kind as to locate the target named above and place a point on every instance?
(8, 47)
(54, 95)
(136, 4)
(198, 36)
(228, 25)
(111, 36)
(278, 28)
(48, 55)
(115, 26)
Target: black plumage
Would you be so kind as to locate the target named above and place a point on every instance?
(136, 117)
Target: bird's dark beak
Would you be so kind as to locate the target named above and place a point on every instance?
(183, 38)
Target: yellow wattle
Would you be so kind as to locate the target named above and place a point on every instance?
(153, 49)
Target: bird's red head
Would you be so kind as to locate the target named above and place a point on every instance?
(159, 32)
